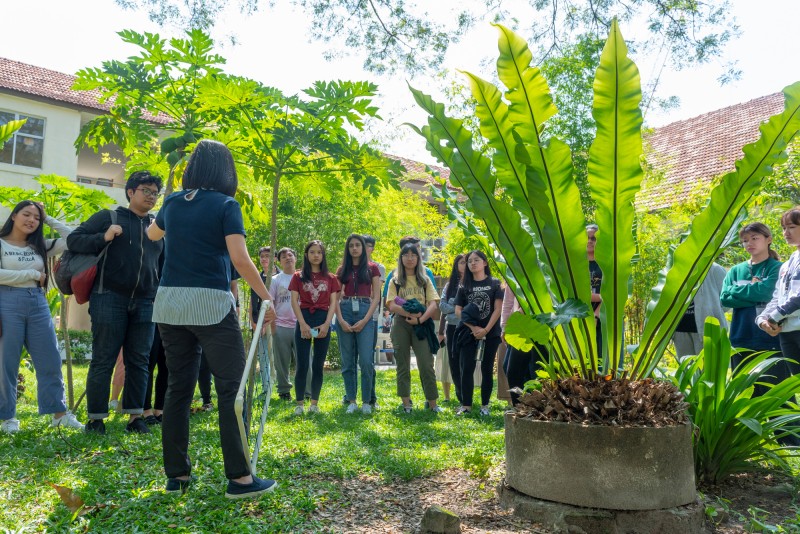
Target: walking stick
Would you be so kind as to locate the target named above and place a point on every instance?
(266, 378)
(239, 403)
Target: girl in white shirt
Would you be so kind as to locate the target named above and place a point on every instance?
(25, 316)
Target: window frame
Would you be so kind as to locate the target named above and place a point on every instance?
(19, 133)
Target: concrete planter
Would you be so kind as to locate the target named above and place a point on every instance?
(600, 466)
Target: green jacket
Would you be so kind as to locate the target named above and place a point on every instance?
(739, 290)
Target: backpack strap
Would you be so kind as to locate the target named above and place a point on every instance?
(104, 252)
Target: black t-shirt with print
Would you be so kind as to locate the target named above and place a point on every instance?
(595, 278)
(483, 294)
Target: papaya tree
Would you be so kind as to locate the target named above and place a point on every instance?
(153, 100)
(536, 227)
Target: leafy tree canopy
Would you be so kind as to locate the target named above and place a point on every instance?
(395, 35)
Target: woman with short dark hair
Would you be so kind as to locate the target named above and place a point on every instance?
(194, 305)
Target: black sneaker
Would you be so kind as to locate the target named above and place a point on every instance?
(176, 485)
(138, 426)
(151, 420)
(285, 396)
(96, 426)
(254, 489)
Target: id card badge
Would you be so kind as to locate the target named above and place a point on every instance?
(355, 305)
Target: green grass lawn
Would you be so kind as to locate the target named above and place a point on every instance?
(121, 479)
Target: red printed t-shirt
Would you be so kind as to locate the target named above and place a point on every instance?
(316, 294)
(360, 289)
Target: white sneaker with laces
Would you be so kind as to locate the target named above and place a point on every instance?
(366, 409)
(352, 407)
(485, 410)
(313, 409)
(10, 426)
(298, 410)
(67, 420)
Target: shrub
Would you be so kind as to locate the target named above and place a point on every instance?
(80, 343)
(733, 429)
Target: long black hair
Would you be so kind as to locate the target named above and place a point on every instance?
(419, 272)
(455, 278)
(468, 279)
(211, 167)
(36, 238)
(362, 269)
(305, 274)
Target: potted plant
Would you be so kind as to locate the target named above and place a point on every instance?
(524, 191)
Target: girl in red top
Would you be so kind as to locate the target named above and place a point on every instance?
(314, 292)
(361, 290)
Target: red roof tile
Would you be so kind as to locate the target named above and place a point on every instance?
(693, 151)
(420, 171)
(51, 85)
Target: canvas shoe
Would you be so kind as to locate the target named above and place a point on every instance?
(67, 420)
(176, 485)
(244, 491)
(299, 410)
(462, 410)
(137, 426)
(484, 411)
(366, 409)
(352, 407)
(10, 426)
(313, 408)
(407, 409)
(95, 425)
(437, 409)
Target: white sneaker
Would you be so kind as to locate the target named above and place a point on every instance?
(298, 410)
(352, 407)
(314, 408)
(484, 410)
(67, 420)
(366, 409)
(10, 426)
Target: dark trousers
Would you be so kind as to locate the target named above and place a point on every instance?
(157, 359)
(790, 348)
(304, 349)
(466, 354)
(453, 359)
(118, 322)
(521, 367)
(204, 379)
(224, 351)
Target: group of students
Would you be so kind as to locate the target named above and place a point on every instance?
(174, 270)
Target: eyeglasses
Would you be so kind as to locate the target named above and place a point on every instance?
(149, 193)
(409, 255)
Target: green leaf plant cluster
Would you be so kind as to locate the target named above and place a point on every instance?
(175, 93)
(730, 425)
(524, 190)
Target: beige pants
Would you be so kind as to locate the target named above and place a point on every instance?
(403, 340)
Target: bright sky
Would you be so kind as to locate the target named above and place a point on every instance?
(272, 48)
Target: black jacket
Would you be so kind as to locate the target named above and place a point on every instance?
(132, 266)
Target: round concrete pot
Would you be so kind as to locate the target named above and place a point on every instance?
(633, 468)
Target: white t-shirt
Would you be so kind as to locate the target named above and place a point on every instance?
(282, 300)
(22, 266)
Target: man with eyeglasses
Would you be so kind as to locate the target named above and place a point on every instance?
(121, 303)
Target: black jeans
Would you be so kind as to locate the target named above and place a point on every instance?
(453, 360)
(466, 354)
(521, 367)
(304, 348)
(204, 379)
(224, 350)
(790, 348)
(157, 358)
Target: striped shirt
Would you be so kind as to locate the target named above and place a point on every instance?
(197, 306)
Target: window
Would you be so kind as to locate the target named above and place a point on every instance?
(27, 144)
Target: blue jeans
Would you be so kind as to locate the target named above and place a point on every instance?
(26, 322)
(119, 322)
(357, 349)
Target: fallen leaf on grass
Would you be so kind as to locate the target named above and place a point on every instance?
(68, 497)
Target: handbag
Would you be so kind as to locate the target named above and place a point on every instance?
(75, 273)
